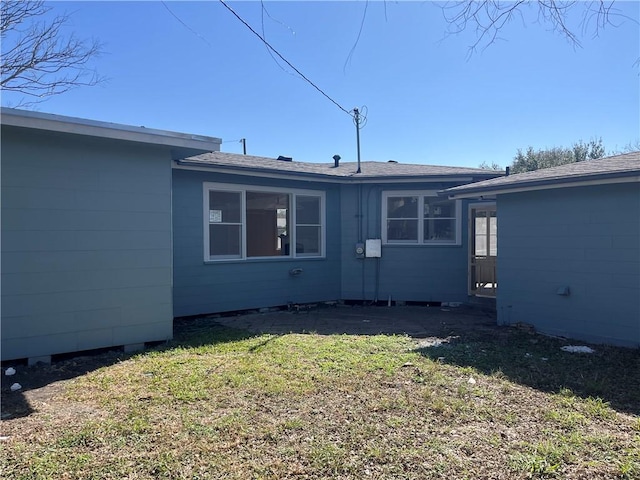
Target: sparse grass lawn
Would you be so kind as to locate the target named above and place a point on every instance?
(222, 404)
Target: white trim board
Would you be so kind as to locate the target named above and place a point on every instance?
(320, 178)
(493, 192)
(80, 126)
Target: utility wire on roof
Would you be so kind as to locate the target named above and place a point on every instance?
(285, 60)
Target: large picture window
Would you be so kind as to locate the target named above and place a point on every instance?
(420, 218)
(244, 222)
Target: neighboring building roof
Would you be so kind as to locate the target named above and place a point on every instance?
(184, 143)
(614, 169)
(346, 171)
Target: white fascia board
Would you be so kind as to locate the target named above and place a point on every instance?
(251, 173)
(115, 131)
(318, 177)
(387, 180)
(489, 193)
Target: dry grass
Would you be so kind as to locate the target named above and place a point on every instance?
(222, 404)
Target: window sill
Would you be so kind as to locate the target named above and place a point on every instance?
(227, 261)
(427, 245)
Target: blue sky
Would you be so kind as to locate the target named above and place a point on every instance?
(427, 101)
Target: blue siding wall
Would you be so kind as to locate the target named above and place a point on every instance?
(425, 273)
(86, 244)
(584, 238)
(201, 287)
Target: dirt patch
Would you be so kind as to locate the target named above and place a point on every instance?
(43, 384)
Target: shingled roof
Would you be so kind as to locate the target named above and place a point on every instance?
(345, 171)
(624, 167)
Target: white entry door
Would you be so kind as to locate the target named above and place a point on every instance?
(483, 250)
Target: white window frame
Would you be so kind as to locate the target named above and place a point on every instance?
(243, 189)
(421, 194)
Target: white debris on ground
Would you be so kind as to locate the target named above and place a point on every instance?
(471, 381)
(434, 341)
(15, 387)
(577, 349)
(10, 371)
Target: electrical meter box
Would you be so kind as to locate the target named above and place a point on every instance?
(373, 248)
(359, 250)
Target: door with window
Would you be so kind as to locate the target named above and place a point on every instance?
(483, 249)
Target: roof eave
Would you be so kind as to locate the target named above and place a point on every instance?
(323, 177)
(78, 126)
(578, 181)
(243, 170)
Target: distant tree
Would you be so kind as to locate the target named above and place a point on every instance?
(38, 59)
(552, 157)
(494, 166)
(628, 148)
(632, 146)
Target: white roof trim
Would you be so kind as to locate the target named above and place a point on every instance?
(318, 177)
(116, 131)
(493, 192)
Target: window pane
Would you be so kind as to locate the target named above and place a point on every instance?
(438, 208)
(307, 210)
(493, 234)
(402, 207)
(440, 229)
(308, 240)
(267, 224)
(481, 245)
(402, 230)
(224, 240)
(224, 207)
(481, 233)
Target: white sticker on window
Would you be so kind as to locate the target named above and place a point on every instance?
(215, 216)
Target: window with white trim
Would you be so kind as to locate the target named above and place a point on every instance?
(420, 218)
(243, 222)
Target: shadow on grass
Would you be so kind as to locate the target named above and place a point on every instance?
(611, 373)
(41, 382)
(200, 331)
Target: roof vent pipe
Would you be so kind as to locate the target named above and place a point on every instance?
(506, 172)
(336, 161)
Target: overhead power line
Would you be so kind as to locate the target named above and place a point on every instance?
(186, 26)
(284, 59)
(263, 10)
(353, 49)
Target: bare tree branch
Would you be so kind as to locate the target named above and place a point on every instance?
(488, 17)
(38, 60)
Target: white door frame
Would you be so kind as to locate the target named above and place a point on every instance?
(481, 269)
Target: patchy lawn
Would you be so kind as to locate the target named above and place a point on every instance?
(220, 403)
